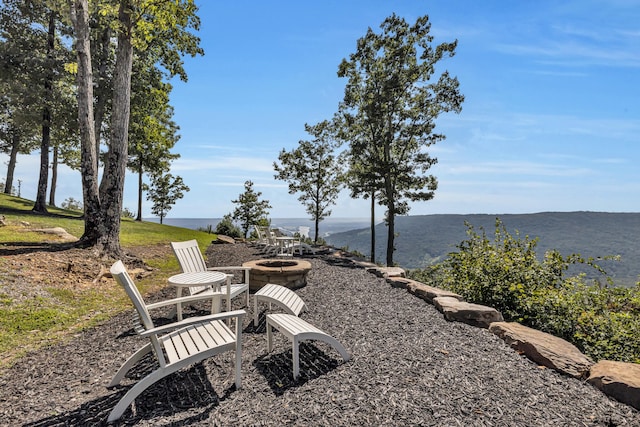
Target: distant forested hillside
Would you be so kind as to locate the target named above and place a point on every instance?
(427, 239)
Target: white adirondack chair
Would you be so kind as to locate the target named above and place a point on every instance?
(262, 241)
(266, 239)
(176, 345)
(191, 260)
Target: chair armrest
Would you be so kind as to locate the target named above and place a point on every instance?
(245, 271)
(229, 268)
(189, 298)
(239, 314)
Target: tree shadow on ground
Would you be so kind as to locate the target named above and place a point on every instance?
(20, 248)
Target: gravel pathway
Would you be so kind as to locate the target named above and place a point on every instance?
(409, 367)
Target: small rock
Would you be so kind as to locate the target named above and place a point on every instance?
(387, 271)
(471, 314)
(428, 293)
(224, 239)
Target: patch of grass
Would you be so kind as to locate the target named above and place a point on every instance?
(37, 322)
(132, 233)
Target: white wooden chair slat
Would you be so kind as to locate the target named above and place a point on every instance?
(219, 335)
(196, 338)
(178, 340)
(185, 342)
(279, 295)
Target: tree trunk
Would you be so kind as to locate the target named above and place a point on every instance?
(112, 184)
(41, 195)
(317, 226)
(104, 45)
(391, 224)
(11, 166)
(391, 219)
(54, 177)
(88, 163)
(139, 216)
(373, 227)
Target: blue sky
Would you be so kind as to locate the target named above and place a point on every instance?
(551, 120)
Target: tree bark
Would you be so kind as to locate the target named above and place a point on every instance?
(391, 224)
(317, 227)
(41, 196)
(11, 166)
(373, 227)
(54, 177)
(89, 170)
(104, 44)
(112, 184)
(139, 216)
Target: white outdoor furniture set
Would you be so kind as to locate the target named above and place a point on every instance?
(188, 341)
(274, 242)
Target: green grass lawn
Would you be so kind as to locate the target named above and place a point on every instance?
(32, 323)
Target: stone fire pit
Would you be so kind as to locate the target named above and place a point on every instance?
(291, 273)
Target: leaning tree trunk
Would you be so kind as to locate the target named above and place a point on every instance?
(112, 184)
(88, 163)
(41, 196)
(13, 158)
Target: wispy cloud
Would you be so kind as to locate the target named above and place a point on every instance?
(253, 164)
(516, 168)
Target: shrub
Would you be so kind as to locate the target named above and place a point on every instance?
(602, 320)
(128, 213)
(228, 228)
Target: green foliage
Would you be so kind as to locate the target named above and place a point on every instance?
(72, 204)
(127, 213)
(312, 170)
(228, 228)
(207, 229)
(164, 191)
(250, 209)
(391, 102)
(603, 321)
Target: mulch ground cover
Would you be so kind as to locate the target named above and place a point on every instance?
(409, 366)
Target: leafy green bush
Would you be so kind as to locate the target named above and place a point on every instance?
(228, 228)
(603, 321)
(128, 213)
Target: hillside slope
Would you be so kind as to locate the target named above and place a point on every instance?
(426, 239)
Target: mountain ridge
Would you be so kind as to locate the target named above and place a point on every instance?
(424, 240)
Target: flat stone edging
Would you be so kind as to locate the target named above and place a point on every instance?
(619, 380)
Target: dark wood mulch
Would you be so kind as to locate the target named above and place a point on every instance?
(409, 367)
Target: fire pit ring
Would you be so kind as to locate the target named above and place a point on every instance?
(291, 273)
